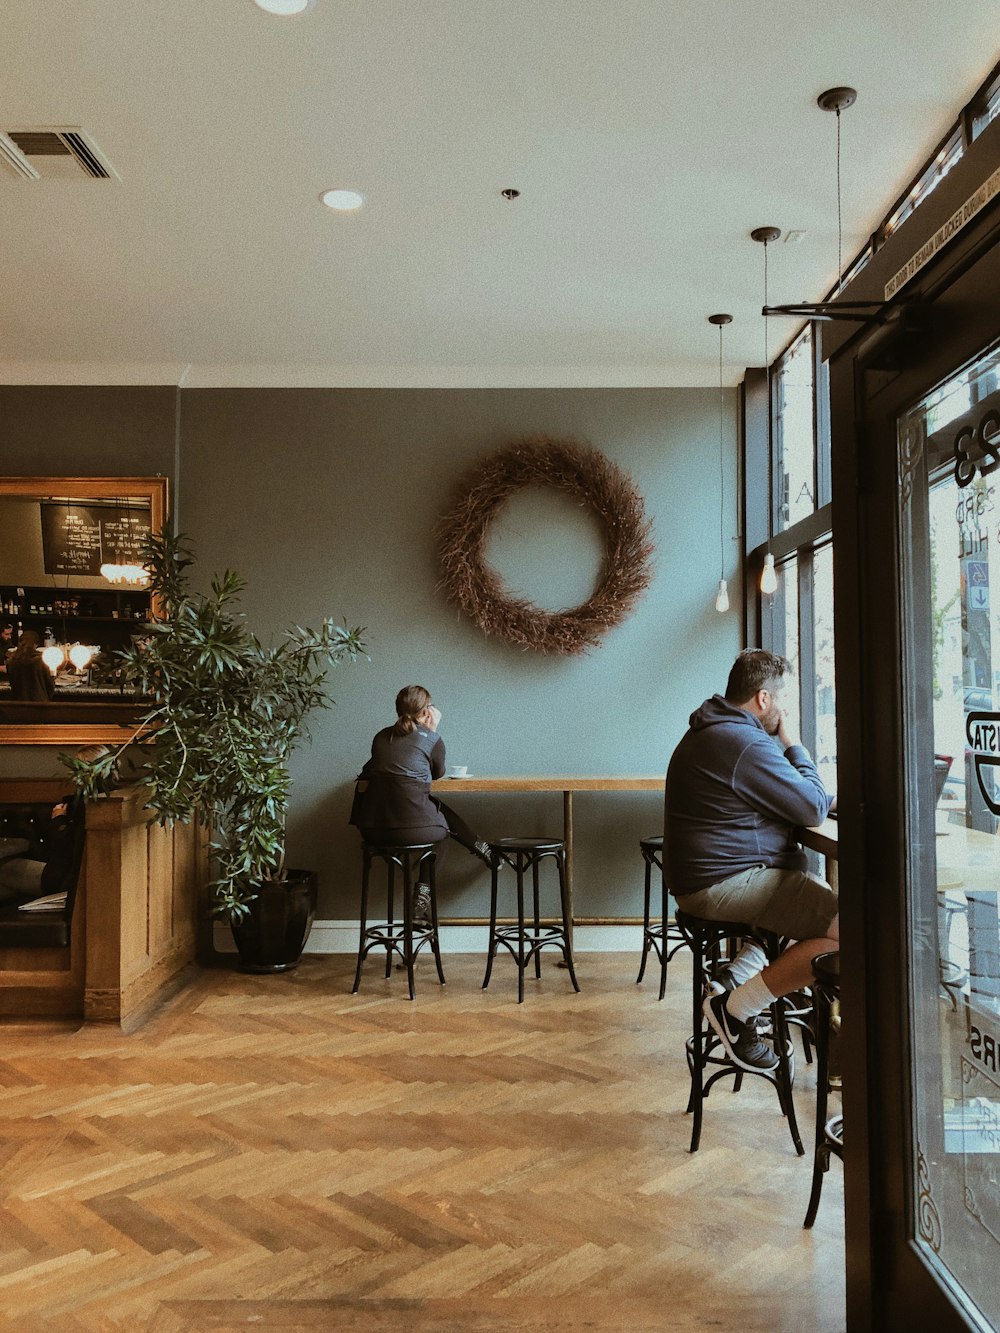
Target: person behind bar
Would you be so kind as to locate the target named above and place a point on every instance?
(30, 679)
(8, 642)
(738, 785)
(393, 804)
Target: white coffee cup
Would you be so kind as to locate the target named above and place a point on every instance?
(457, 770)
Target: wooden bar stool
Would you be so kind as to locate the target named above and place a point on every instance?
(525, 942)
(657, 936)
(404, 937)
(712, 944)
(829, 1132)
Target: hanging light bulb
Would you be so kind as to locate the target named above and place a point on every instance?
(722, 595)
(119, 571)
(80, 654)
(134, 575)
(53, 657)
(768, 577)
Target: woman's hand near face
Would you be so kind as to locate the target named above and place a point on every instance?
(433, 716)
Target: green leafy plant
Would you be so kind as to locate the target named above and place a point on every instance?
(226, 713)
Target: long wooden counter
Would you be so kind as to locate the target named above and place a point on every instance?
(134, 924)
(448, 788)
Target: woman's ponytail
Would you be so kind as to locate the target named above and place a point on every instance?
(410, 703)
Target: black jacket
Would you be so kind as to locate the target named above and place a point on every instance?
(30, 680)
(393, 789)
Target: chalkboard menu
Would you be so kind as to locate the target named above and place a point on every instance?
(79, 538)
(124, 532)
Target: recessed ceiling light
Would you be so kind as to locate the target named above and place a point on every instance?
(284, 6)
(344, 201)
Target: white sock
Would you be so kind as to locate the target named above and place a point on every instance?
(749, 999)
(750, 960)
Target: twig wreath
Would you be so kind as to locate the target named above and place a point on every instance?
(596, 483)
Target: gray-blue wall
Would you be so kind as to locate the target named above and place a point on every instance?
(325, 500)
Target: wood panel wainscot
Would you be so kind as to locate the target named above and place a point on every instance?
(135, 922)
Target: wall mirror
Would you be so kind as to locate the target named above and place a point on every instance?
(72, 593)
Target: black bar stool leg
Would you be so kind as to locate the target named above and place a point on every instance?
(664, 942)
(821, 1151)
(697, 1043)
(567, 931)
(408, 926)
(645, 923)
(491, 951)
(390, 913)
(783, 1074)
(520, 927)
(366, 865)
(435, 941)
(537, 914)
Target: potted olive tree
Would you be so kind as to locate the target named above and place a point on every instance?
(225, 714)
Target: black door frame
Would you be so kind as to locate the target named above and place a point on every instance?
(874, 376)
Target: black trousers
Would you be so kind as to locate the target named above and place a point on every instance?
(457, 829)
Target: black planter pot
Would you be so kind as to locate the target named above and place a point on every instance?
(272, 937)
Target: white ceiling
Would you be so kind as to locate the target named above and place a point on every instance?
(647, 137)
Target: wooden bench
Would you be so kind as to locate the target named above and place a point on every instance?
(31, 822)
(130, 932)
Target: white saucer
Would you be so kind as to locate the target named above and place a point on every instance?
(454, 777)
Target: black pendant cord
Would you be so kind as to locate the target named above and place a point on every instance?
(767, 387)
(855, 312)
(840, 225)
(722, 470)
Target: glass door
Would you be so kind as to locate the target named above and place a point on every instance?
(948, 496)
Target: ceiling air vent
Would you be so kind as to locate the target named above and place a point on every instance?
(49, 153)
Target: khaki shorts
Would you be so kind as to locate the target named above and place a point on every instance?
(787, 902)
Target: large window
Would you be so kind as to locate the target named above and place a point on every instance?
(797, 619)
(794, 435)
(787, 442)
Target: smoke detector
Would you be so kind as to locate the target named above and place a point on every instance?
(49, 152)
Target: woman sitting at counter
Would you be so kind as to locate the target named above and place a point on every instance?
(392, 800)
(30, 679)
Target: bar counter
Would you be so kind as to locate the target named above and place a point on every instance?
(567, 783)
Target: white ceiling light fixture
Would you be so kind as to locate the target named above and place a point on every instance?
(343, 201)
(284, 8)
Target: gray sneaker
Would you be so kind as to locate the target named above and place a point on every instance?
(743, 1046)
(725, 981)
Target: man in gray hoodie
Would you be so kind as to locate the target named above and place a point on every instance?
(738, 786)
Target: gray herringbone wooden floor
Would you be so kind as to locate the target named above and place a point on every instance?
(274, 1152)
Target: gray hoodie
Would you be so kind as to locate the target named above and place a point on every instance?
(734, 799)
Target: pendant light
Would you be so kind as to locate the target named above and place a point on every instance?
(722, 595)
(53, 657)
(119, 572)
(768, 578)
(837, 100)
